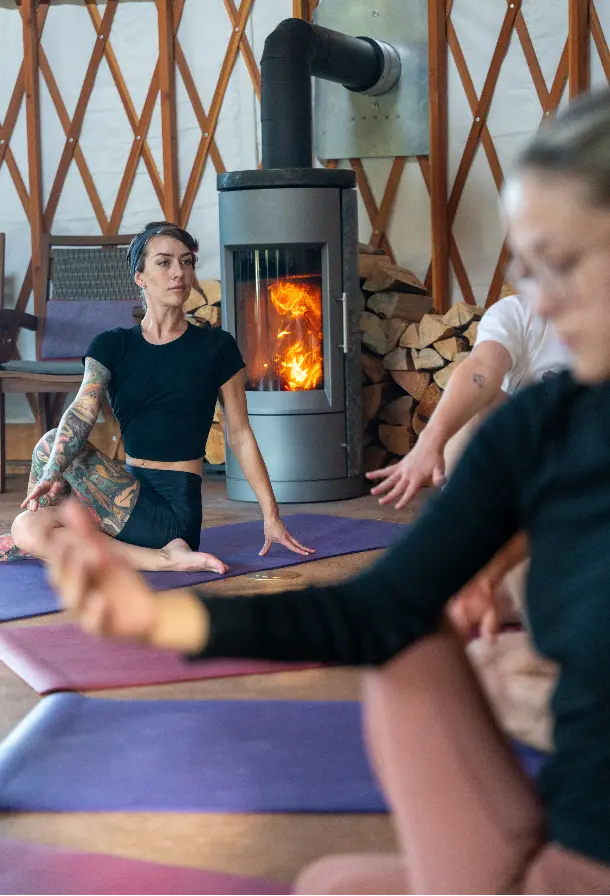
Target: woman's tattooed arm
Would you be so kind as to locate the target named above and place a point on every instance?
(76, 424)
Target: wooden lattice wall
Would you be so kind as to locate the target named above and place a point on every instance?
(176, 205)
(584, 29)
(176, 195)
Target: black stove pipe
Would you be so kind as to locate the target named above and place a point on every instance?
(294, 52)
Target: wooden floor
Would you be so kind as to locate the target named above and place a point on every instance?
(272, 845)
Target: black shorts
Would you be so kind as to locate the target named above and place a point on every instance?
(168, 507)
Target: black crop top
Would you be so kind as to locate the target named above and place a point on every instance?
(164, 396)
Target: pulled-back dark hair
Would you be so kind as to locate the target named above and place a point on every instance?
(576, 143)
(136, 254)
(138, 248)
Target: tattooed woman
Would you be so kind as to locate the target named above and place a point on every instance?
(163, 377)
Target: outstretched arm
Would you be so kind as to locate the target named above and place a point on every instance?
(245, 448)
(474, 385)
(73, 431)
(363, 621)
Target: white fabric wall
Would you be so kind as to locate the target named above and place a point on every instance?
(68, 39)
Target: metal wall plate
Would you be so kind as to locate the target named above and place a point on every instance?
(352, 125)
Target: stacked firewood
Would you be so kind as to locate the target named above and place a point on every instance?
(408, 356)
(203, 303)
(203, 307)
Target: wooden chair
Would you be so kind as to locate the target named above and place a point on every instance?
(73, 268)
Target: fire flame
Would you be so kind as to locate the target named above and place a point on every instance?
(299, 364)
(302, 369)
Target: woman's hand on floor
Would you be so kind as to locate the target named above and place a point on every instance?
(277, 533)
(110, 598)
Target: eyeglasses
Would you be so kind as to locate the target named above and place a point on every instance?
(556, 277)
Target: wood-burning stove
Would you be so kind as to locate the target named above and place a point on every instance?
(291, 298)
(289, 258)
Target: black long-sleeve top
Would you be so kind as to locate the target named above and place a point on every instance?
(540, 464)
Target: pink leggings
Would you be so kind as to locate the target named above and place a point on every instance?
(467, 818)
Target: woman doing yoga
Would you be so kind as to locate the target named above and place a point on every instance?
(164, 377)
(467, 819)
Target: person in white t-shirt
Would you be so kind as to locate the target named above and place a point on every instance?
(514, 347)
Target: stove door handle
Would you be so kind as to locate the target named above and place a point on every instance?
(345, 345)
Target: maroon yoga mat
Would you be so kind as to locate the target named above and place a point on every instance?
(31, 868)
(65, 658)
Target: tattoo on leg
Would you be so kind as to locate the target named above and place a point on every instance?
(10, 551)
(478, 379)
(107, 490)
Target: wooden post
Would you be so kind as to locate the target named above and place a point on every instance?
(437, 29)
(304, 9)
(300, 9)
(167, 88)
(32, 112)
(578, 47)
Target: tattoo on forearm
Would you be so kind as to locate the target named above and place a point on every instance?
(103, 486)
(478, 379)
(40, 459)
(72, 435)
(78, 421)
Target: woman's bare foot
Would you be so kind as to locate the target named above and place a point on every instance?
(182, 559)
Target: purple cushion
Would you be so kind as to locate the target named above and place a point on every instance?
(70, 326)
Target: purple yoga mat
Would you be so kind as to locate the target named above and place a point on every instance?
(24, 590)
(65, 658)
(80, 754)
(31, 868)
(74, 753)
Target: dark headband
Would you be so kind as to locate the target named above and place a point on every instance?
(137, 247)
